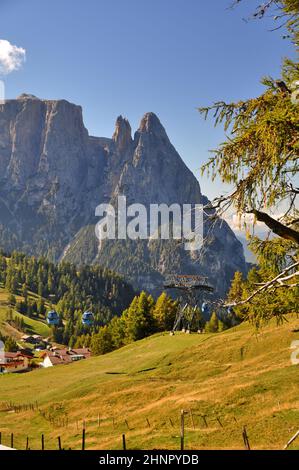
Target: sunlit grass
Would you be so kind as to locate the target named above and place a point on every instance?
(140, 390)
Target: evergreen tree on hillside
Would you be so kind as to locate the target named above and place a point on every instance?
(68, 332)
(24, 291)
(164, 312)
(117, 328)
(221, 326)
(236, 290)
(9, 315)
(57, 334)
(3, 268)
(12, 300)
(41, 308)
(139, 321)
(11, 282)
(10, 345)
(102, 342)
(212, 326)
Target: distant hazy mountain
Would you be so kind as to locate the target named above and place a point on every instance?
(249, 256)
(53, 175)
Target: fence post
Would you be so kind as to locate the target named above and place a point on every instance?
(218, 419)
(11, 440)
(182, 429)
(124, 442)
(27, 443)
(245, 439)
(59, 443)
(83, 438)
(192, 420)
(43, 442)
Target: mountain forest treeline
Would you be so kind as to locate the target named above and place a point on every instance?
(120, 316)
(69, 290)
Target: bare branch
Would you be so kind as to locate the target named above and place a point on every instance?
(277, 227)
(273, 283)
(292, 222)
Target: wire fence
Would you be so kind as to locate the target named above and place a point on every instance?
(71, 434)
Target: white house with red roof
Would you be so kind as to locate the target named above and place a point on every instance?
(15, 362)
(64, 356)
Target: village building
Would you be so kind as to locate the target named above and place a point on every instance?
(32, 339)
(64, 356)
(39, 341)
(15, 362)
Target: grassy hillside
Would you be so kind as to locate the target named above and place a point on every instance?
(33, 326)
(234, 378)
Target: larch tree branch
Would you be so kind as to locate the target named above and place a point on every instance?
(277, 227)
(277, 281)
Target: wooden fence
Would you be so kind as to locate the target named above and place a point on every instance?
(196, 422)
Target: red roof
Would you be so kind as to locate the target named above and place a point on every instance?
(15, 359)
(11, 355)
(82, 351)
(64, 356)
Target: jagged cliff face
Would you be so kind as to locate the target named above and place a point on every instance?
(53, 175)
(50, 172)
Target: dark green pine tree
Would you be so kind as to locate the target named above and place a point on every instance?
(10, 345)
(102, 342)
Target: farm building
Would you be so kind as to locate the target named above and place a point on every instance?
(15, 362)
(64, 356)
(32, 339)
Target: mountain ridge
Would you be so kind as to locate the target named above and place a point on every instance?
(53, 176)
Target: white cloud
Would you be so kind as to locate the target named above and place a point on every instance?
(247, 223)
(240, 223)
(11, 57)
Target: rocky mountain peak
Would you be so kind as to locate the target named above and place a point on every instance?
(123, 133)
(151, 124)
(53, 175)
(27, 96)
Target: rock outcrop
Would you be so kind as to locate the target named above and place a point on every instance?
(53, 175)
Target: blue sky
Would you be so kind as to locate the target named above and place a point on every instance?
(129, 57)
